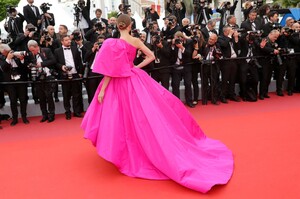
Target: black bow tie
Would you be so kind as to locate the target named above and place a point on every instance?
(67, 48)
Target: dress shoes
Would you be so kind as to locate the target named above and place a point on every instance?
(224, 100)
(190, 104)
(77, 115)
(290, 93)
(261, 97)
(51, 119)
(215, 103)
(25, 120)
(280, 93)
(266, 96)
(68, 116)
(44, 119)
(235, 98)
(195, 102)
(14, 122)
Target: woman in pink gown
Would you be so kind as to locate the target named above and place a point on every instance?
(142, 128)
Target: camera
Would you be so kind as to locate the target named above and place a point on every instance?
(32, 29)
(67, 74)
(157, 39)
(77, 36)
(252, 35)
(171, 22)
(45, 7)
(8, 40)
(15, 74)
(288, 30)
(178, 41)
(19, 53)
(258, 3)
(10, 9)
(46, 35)
(37, 73)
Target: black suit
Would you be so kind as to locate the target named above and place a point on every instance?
(86, 13)
(228, 67)
(45, 90)
(14, 26)
(15, 91)
(47, 21)
(223, 12)
(185, 71)
(30, 16)
(72, 88)
(178, 13)
(200, 13)
(247, 25)
(205, 33)
(162, 59)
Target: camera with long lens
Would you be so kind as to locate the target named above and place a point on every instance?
(288, 31)
(8, 40)
(68, 69)
(135, 33)
(32, 29)
(37, 73)
(278, 58)
(252, 35)
(19, 53)
(46, 35)
(171, 22)
(45, 7)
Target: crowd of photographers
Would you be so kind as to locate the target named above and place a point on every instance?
(250, 54)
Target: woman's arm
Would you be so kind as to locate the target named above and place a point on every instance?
(102, 91)
(149, 54)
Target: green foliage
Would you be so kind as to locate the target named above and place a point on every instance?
(3, 4)
(287, 3)
(112, 14)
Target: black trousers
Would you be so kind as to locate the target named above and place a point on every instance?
(246, 70)
(229, 74)
(279, 74)
(292, 66)
(72, 89)
(15, 92)
(265, 76)
(91, 85)
(177, 76)
(2, 99)
(45, 93)
(162, 77)
(195, 74)
(209, 82)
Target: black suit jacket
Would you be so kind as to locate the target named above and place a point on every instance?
(200, 14)
(7, 69)
(223, 42)
(29, 15)
(86, 13)
(48, 58)
(18, 23)
(60, 59)
(48, 21)
(205, 33)
(247, 25)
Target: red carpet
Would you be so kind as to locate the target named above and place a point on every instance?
(54, 161)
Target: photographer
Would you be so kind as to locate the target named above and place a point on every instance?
(14, 23)
(225, 10)
(150, 16)
(82, 15)
(22, 38)
(32, 14)
(98, 29)
(69, 63)
(151, 30)
(267, 47)
(263, 13)
(177, 9)
(252, 23)
(92, 84)
(272, 24)
(14, 70)
(230, 45)
(46, 18)
(202, 12)
(209, 29)
(172, 28)
(295, 44)
(43, 61)
(231, 22)
(162, 51)
(46, 40)
(98, 18)
(182, 51)
(248, 68)
(210, 71)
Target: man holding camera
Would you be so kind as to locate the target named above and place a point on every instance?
(252, 23)
(43, 60)
(272, 24)
(229, 43)
(47, 18)
(98, 18)
(14, 69)
(82, 13)
(202, 12)
(225, 10)
(209, 29)
(178, 9)
(172, 28)
(69, 63)
(182, 50)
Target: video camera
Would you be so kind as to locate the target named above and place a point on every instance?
(45, 7)
(8, 40)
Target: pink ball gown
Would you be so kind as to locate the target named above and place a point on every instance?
(146, 131)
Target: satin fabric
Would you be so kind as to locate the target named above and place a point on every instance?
(146, 131)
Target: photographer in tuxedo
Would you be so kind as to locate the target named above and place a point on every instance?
(44, 61)
(209, 29)
(229, 43)
(162, 52)
(202, 13)
(177, 9)
(252, 23)
(91, 85)
(225, 10)
(69, 63)
(14, 69)
(210, 71)
(182, 51)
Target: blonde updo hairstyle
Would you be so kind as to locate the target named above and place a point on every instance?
(123, 21)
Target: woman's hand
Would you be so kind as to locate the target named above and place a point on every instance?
(101, 96)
